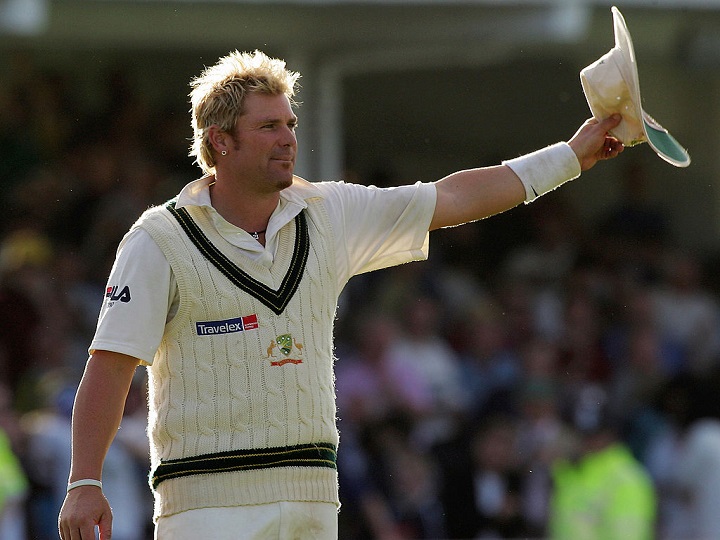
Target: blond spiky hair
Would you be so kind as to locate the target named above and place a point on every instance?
(217, 95)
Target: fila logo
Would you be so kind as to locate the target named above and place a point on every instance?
(115, 294)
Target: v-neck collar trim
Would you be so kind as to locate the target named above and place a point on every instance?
(275, 299)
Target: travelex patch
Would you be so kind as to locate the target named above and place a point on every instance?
(227, 326)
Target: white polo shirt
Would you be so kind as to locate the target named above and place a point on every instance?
(373, 228)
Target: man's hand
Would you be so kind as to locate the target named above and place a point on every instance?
(83, 509)
(592, 142)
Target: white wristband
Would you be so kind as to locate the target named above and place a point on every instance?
(546, 169)
(84, 482)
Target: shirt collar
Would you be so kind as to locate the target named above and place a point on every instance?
(293, 200)
(197, 193)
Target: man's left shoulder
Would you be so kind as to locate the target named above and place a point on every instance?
(305, 189)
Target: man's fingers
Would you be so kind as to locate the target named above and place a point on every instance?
(611, 148)
(105, 526)
(80, 533)
(610, 122)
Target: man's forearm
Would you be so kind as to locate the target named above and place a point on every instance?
(475, 194)
(98, 410)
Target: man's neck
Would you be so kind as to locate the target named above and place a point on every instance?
(249, 211)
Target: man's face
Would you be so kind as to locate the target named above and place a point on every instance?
(265, 146)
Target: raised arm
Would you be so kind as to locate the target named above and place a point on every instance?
(474, 194)
(97, 413)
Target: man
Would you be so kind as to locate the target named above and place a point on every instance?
(228, 295)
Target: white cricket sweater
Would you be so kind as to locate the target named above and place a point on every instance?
(245, 364)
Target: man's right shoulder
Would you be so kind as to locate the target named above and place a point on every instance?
(155, 215)
(137, 240)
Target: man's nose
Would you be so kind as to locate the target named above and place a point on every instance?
(288, 137)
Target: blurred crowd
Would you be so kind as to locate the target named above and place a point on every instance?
(539, 377)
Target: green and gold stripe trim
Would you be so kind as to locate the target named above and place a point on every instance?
(303, 455)
(276, 300)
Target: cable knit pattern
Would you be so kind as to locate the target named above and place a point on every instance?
(262, 387)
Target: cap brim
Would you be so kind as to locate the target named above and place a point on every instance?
(664, 144)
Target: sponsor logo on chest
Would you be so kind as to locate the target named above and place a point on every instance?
(227, 326)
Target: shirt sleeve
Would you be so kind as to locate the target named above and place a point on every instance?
(378, 227)
(138, 299)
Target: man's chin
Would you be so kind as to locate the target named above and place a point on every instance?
(282, 175)
(283, 183)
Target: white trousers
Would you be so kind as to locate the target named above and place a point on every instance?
(275, 521)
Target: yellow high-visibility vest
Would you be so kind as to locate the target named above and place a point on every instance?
(13, 483)
(607, 495)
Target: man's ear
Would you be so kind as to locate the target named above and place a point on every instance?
(219, 139)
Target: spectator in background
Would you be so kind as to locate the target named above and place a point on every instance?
(482, 481)
(632, 236)
(405, 502)
(14, 485)
(13, 491)
(601, 492)
(634, 385)
(497, 482)
(543, 435)
(684, 459)
(48, 457)
(370, 386)
(695, 476)
(544, 264)
(25, 309)
(423, 353)
(548, 258)
(489, 369)
(48, 452)
(582, 355)
(686, 311)
(414, 493)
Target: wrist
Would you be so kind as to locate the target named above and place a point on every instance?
(544, 170)
(84, 482)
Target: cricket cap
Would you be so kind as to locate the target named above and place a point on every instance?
(611, 85)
